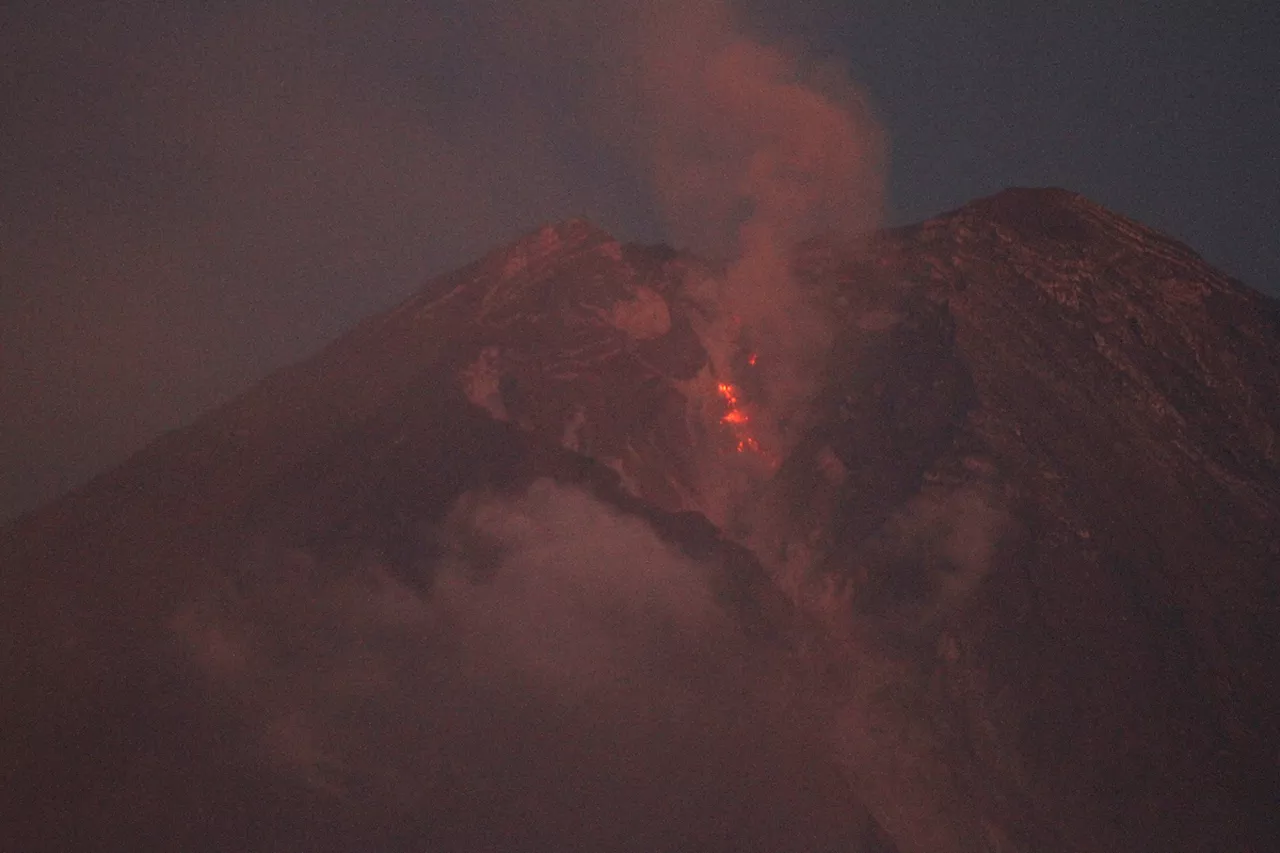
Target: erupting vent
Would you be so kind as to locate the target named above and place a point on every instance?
(737, 418)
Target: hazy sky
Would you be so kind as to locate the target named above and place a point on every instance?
(196, 193)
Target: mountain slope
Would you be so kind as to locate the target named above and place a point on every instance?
(1021, 546)
(1117, 399)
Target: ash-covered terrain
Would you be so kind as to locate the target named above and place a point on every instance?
(966, 541)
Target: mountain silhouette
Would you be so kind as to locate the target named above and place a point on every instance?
(973, 545)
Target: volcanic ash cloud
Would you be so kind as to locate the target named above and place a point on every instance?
(749, 151)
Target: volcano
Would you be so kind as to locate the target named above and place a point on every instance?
(542, 559)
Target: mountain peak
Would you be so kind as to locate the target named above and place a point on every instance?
(1055, 215)
(567, 235)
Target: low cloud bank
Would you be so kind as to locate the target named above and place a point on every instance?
(569, 681)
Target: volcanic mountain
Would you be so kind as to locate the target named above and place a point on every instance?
(543, 558)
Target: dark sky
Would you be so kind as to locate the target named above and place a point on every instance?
(196, 193)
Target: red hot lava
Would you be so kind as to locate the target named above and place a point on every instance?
(737, 418)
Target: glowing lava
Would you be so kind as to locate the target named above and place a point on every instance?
(737, 418)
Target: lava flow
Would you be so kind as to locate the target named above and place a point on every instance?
(737, 418)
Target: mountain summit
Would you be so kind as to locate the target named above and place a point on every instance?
(971, 545)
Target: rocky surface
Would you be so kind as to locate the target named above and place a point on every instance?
(1023, 542)
(1085, 413)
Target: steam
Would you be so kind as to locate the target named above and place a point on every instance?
(749, 151)
(570, 681)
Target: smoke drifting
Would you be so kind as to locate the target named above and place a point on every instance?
(569, 682)
(749, 152)
(744, 144)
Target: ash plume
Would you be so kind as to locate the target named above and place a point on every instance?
(750, 149)
(743, 147)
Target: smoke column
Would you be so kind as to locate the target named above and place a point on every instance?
(750, 151)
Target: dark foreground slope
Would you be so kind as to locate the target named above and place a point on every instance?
(1014, 583)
